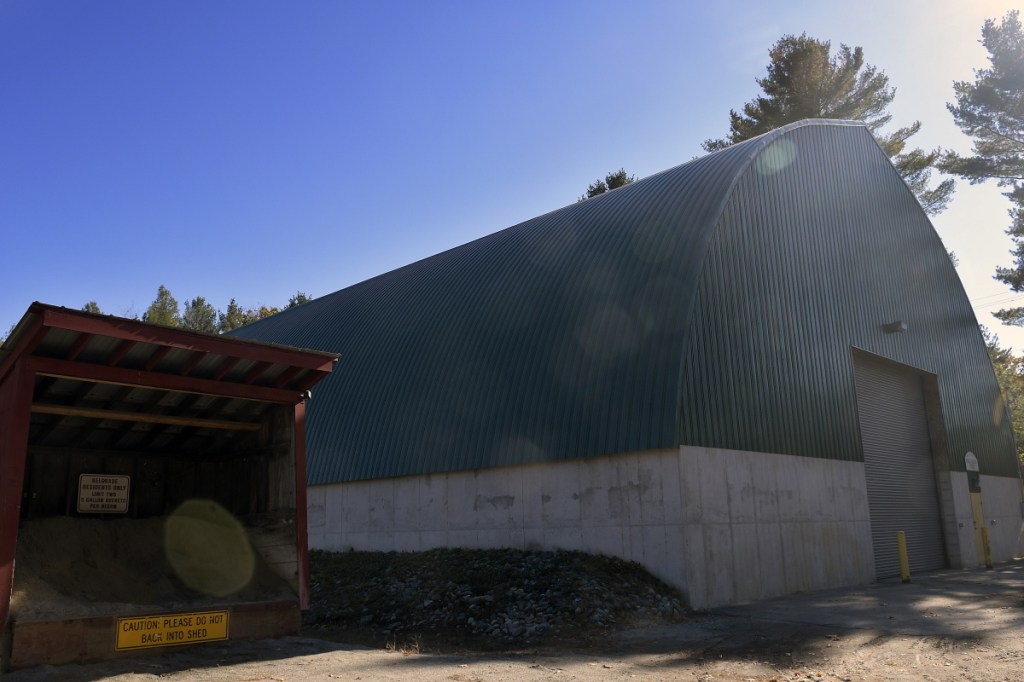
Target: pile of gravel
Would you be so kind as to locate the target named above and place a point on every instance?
(489, 598)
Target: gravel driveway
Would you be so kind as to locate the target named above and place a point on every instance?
(951, 625)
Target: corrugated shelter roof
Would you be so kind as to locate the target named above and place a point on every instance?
(619, 323)
(109, 382)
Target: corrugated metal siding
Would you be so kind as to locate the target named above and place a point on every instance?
(557, 338)
(898, 467)
(808, 261)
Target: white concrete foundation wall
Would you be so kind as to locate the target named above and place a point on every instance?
(760, 525)
(1002, 502)
(723, 526)
(957, 526)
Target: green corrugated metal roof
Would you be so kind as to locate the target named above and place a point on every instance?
(581, 332)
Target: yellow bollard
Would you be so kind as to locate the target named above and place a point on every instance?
(986, 547)
(901, 544)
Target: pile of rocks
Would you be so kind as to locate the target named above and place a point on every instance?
(505, 597)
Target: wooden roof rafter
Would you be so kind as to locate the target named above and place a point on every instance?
(183, 410)
(168, 382)
(80, 343)
(127, 428)
(193, 362)
(143, 417)
(123, 349)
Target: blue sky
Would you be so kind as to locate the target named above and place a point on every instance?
(253, 149)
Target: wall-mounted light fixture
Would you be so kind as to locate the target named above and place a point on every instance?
(897, 327)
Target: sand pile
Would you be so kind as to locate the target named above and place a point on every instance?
(76, 567)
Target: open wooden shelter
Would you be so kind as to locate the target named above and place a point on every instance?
(148, 472)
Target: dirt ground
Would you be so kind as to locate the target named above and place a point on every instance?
(709, 648)
(953, 625)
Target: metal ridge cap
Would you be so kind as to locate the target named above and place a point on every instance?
(761, 142)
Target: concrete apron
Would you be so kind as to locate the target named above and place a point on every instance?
(950, 603)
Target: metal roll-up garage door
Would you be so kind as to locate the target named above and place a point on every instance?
(898, 466)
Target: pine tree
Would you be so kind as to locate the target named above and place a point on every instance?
(92, 307)
(805, 81)
(991, 110)
(236, 315)
(611, 181)
(298, 299)
(199, 316)
(232, 318)
(163, 310)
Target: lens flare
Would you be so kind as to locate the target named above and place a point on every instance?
(208, 548)
(778, 156)
(998, 406)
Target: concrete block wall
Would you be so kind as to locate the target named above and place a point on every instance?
(723, 526)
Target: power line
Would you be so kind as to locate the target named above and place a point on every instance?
(1001, 293)
(995, 303)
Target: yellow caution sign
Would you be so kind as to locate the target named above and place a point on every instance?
(171, 629)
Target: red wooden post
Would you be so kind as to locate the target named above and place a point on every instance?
(301, 530)
(15, 412)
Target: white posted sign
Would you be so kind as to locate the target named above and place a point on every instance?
(971, 462)
(103, 494)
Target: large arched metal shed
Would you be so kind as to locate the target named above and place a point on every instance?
(746, 372)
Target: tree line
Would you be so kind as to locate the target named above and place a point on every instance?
(199, 315)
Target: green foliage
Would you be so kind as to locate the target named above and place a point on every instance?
(199, 316)
(806, 81)
(611, 181)
(163, 310)
(619, 178)
(1013, 317)
(232, 318)
(991, 111)
(1009, 371)
(915, 167)
(260, 312)
(236, 316)
(298, 299)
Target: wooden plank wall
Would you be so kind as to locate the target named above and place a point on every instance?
(258, 481)
(278, 547)
(93, 639)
